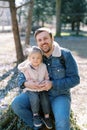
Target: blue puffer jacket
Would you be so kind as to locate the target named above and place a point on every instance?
(62, 77)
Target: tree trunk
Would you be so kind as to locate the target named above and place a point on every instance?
(73, 26)
(77, 28)
(19, 52)
(29, 21)
(58, 17)
(9, 121)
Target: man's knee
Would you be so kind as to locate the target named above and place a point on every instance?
(63, 124)
(15, 105)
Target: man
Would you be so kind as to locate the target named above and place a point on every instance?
(63, 77)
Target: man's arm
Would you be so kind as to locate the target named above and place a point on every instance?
(21, 79)
(71, 78)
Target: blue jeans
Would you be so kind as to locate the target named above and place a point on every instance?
(61, 111)
(60, 107)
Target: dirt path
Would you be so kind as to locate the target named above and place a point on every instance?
(8, 86)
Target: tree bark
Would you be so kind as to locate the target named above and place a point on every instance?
(29, 21)
(58, 17)
(73, 26)
(18, 46)
(77, 28)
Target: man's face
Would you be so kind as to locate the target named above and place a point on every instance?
(44, 41)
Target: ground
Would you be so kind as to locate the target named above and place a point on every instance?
(8, 73)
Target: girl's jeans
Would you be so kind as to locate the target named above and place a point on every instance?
(38, 99)
(60, 107)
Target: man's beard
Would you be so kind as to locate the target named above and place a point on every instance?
(46, 51)
(44, 48)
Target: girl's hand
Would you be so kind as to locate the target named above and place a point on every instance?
(31, 84)
(45, 85)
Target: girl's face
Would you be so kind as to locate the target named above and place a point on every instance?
(35, 59)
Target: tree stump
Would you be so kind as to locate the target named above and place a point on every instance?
(9, 121)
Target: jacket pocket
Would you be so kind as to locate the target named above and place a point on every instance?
(58, 73)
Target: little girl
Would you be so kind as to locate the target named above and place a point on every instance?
(35, 70)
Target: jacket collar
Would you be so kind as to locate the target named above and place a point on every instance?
(57, 50)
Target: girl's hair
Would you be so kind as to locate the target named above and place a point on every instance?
(34, 49)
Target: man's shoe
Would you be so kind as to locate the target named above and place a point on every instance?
(37, 121)
(47, 122)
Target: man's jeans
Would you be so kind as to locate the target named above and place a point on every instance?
(61, 111)
(60, 107)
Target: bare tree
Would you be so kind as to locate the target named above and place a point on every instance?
(13, 9)
(15, 28)
(19, 52)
